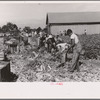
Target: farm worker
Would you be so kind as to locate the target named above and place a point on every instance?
(85, 31)
(42, 41)
(48, 41)
(62, 49)
(76, 47)
(38, 39)
(58, 39)
(39, 36)
(51, 43)
(40, 33)
(35, 33)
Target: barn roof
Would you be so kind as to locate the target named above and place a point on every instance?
(73, 18)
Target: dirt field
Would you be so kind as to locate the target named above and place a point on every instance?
(28, 71)
(43, 68)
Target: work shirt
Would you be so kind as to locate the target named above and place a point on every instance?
(35, 33)
(77, 46)
(40, 34)
(75, 37)
(62, 46)
(50, 36)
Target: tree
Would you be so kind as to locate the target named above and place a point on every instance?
(11, 28)
(45, 30)
(0, 29)
(38, 29)
(4, 29)
(27, 29)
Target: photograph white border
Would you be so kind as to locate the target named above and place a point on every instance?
(47, 90)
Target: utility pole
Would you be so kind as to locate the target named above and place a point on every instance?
(5, 53)
(19, 38)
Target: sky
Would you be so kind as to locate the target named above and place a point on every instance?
(34, 14)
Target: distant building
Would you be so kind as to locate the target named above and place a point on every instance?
(77, 21)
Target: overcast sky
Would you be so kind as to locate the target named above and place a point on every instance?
(34, 15)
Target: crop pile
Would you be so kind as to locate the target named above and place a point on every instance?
(32, 65)
(43, 69)
(90, 43)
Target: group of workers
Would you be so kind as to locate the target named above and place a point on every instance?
(56, 43)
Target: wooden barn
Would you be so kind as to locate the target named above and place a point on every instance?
(79, 22)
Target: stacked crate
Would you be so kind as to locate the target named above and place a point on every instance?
(1, 56)
(4, 71)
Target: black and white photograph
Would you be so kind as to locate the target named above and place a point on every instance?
(49, 42)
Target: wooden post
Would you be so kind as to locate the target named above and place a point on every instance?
(48, 27)
(4, 51)
(0, 77)
(19, 43)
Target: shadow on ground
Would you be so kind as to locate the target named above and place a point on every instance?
(10, 78)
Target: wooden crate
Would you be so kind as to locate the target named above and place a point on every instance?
(4, 70)
(70, 55)
(1, 55)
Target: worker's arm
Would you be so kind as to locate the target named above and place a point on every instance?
(72, 45)
(65, 49)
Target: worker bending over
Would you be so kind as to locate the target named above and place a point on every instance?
(62, 49)
(50, 42)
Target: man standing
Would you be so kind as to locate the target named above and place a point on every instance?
(76, 47)
(85, 31)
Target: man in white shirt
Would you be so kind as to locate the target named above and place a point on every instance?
(76, 47)
(62, 48)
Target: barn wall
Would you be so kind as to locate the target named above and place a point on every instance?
(79, 29)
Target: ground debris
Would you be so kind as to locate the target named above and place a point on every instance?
(31, 65)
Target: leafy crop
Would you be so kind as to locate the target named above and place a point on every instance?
(91, 45)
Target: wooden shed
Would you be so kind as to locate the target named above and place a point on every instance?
(79, 22)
